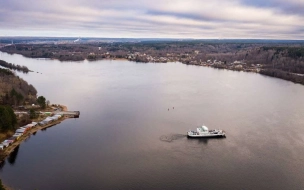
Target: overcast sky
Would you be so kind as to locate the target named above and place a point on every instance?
(272, 19)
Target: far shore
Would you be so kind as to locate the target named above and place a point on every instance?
(67, 60)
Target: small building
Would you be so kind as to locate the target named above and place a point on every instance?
(54, 118)
(41, 123)
(17, 136)
(20, 131)
(24, 128)
(238, 67)
(30, 125)
(49, 119)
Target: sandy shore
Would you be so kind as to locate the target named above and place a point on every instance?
(64, 108)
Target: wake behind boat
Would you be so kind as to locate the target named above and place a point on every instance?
(203, 131)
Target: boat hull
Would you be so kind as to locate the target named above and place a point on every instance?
(204, 132)
(207, 136)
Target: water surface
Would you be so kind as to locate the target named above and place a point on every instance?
(126, 138)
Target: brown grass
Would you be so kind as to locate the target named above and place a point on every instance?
(5, 135)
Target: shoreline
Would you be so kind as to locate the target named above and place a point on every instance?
(275, 73)
(7, 151)
(66, 60)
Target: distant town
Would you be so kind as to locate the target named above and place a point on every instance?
(277, 58)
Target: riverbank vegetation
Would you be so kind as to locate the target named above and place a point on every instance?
(8, 118)
(1, 186)
(14, 67)
(41, 101)
(19, 106)
(273, 58)
(14, 90)
(16, 94)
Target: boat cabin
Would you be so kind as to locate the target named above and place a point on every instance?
(202, 129)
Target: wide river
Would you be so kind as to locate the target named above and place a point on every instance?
(129, 136)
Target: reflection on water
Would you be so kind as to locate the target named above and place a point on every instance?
(11, 159)
(205, 140)
(13, 156)
(173, 137)
(2, 164)
(127, 139)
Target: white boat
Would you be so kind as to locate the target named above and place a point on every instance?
(203, 131)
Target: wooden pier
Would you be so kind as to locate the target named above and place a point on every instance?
(72, 114)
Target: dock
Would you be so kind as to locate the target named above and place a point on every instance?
(72, 114)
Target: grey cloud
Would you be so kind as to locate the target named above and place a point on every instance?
(193, 16)
(284, 6)
(161, 18)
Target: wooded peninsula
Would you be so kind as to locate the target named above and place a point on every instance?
(16, 94)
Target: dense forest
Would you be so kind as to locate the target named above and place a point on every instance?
(14, 90)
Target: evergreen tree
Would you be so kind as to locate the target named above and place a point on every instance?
(41, 101)
(8, 118)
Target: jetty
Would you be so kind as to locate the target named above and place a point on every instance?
(72, 114)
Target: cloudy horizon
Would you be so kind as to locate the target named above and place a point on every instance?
(245, 19)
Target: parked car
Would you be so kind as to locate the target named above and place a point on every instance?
(20, 130)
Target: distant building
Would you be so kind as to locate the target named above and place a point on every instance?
(238, 67)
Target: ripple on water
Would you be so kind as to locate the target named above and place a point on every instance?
(171, 137)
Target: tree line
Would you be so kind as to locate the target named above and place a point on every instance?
(14, 67)
(14, 90)
(5, 72)
(8, 118)
(282, 60)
